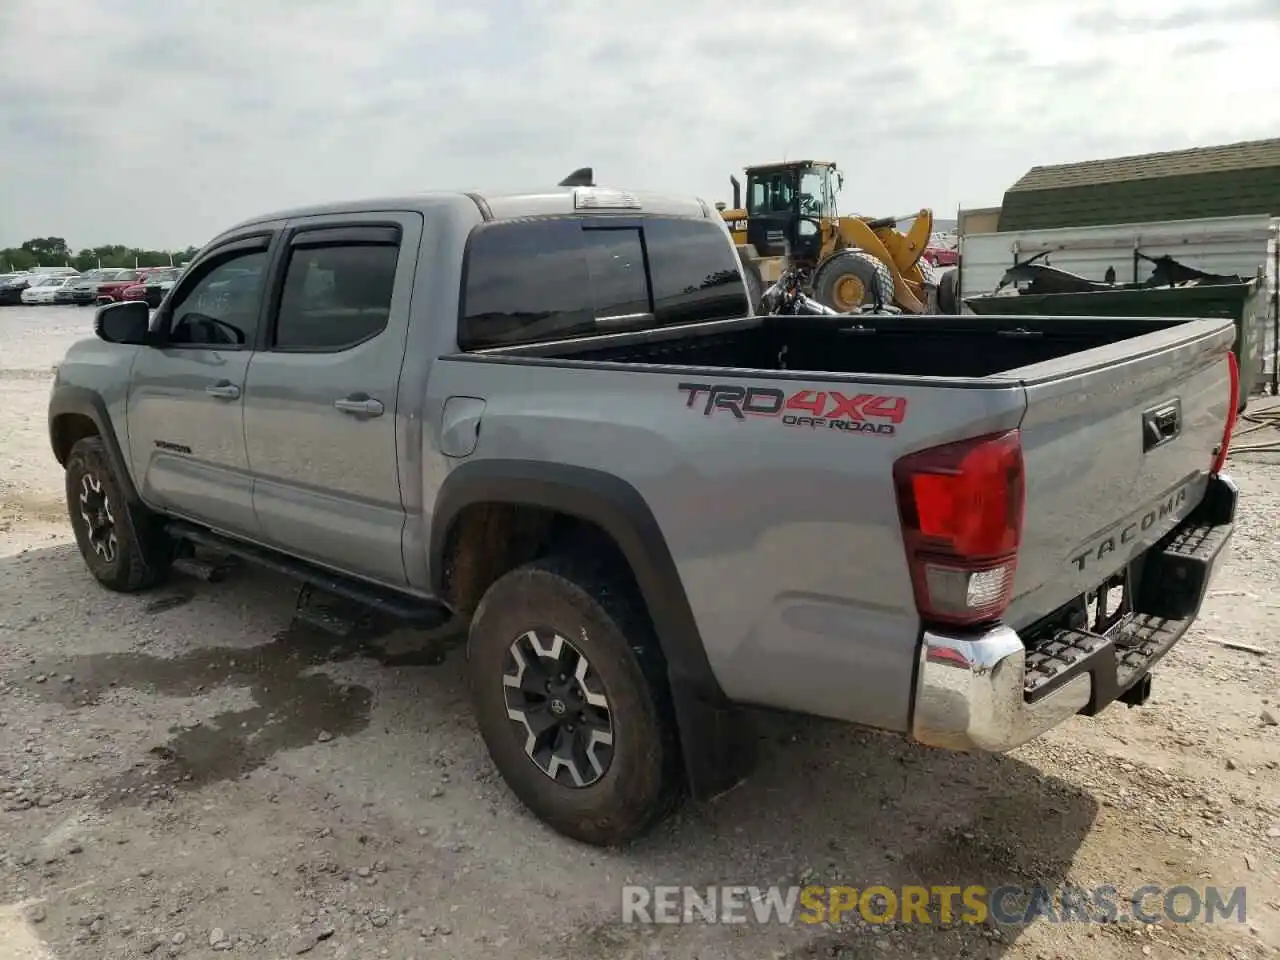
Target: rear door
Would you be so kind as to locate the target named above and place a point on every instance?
(320, 395)
(186, 406)
(1118, 442)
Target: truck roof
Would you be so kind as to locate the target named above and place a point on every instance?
(509, 205)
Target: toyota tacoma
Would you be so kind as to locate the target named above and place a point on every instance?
(556, 417)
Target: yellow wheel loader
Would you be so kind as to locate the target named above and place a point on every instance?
(790, 213)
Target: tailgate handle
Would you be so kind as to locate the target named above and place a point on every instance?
(1161, 424)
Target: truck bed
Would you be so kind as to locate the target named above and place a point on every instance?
(947, 347)
(727, 480)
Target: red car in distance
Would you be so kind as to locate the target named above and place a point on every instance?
(111, 288)
(115, 287)
(153, 286)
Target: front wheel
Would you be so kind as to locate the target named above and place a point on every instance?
(122, 545)
(852, 279)
(570, 697)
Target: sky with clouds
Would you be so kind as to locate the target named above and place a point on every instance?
(156, 123)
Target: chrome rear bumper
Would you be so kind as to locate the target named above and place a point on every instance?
(977, 691)
(970, 694)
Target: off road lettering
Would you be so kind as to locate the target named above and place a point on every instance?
(1108, 544)
(791, 420)
(858, 413)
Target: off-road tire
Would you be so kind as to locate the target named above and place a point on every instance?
(873, 274)
(601, 614)
(948, 303)
(142, 551)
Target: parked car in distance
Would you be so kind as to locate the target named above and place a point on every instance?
(154, 286)
(83, 290)
(11, 287)
(41, 290)
(111, 289)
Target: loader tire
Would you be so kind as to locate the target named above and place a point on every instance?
(948, 304)
(853, 279)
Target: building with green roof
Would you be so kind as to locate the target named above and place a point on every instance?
(1237, 179)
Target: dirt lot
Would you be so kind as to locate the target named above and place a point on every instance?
(188, 774)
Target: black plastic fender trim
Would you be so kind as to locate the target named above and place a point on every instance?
(716, 736)
(611, 504)
(81, 401)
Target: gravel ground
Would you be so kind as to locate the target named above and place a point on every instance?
(186, 773)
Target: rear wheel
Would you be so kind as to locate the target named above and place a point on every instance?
(852, 279)
(570, 698)
(121, 543)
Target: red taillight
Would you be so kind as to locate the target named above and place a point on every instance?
(961, 510)
(1233, 408)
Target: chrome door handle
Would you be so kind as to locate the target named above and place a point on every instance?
(223, 390)
(360, 405)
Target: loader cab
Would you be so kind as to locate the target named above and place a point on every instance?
(787, 204)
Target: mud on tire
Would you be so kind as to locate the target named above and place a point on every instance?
(570, 696)
(122, 544)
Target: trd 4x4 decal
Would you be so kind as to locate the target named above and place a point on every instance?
(815, 409)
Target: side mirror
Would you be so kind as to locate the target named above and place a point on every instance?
(125, 322)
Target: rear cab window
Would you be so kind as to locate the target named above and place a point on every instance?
(530, 281)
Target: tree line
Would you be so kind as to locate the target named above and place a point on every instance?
(55, 252)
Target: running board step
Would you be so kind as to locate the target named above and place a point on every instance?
(334, 615)
(210, 571)
(423, 614)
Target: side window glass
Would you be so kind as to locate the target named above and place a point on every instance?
(525, 282)
(695, 275)
(335, 296)
(221, 307)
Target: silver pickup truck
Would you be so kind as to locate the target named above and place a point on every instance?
(555, 416)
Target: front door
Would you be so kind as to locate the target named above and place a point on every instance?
(186, 396)
(771, 211)
(320, 396)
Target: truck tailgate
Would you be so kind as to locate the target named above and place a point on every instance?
(1117, 448)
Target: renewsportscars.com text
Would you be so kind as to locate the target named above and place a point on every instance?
(932, 904)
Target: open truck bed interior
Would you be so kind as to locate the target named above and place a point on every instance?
(950, 347)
